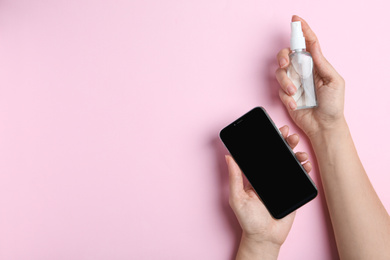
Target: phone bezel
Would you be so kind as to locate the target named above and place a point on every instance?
(296, 205)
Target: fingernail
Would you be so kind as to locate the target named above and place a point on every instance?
(282, 62)
(291, 90)
(226, 159)
(292, 105)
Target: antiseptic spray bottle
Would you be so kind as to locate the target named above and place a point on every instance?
(301, 68)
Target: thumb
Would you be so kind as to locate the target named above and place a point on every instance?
(323, 67)
(235, 177)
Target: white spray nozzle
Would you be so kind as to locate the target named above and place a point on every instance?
(297, 41)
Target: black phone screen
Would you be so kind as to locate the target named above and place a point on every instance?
(268, 163)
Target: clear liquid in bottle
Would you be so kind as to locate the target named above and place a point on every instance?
(300, 72)
(301, 69)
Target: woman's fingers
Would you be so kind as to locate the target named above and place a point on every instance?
(284, 131)
(302, 156)
(285, 83)
(283, 58)
(235, 178)
(293, 140)
(310, 37)
(307, 166)
(287, 100)
(281, 73)
(323, 67)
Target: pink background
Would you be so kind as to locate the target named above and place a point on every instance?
(110, 113)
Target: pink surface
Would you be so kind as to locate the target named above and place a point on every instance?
(110, 113)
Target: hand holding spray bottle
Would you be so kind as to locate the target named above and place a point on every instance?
(301, 68)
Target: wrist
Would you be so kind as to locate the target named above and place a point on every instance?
(329, 142)
(328, 129)
(251, 248)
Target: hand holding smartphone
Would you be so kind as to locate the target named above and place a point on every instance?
(269, 164)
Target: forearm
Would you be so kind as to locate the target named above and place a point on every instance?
(360, 222)
(250, 249)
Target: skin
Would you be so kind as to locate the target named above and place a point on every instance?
(360, 222)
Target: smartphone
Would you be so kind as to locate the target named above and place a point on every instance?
(268, 163)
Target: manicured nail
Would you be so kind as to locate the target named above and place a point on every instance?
(290, 90)
(292, 105)
(282, 62)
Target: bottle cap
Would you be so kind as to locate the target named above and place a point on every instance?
(297, 41)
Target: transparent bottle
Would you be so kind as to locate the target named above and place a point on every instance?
(301, 69)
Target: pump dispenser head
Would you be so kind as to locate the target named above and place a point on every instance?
(297, 41)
